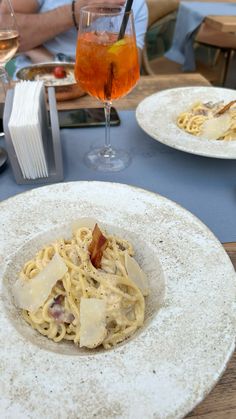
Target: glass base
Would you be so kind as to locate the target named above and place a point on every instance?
(107, 159)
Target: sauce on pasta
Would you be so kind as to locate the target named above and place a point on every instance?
(89, 306)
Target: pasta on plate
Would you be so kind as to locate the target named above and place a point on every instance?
(87, 289)
(213, 121)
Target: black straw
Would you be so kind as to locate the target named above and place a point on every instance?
(125, 19)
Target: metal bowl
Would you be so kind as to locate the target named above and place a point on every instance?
(66, 88)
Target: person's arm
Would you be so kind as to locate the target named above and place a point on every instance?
(36, 28)
(39, 55)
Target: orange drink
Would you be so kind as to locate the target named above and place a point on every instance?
(106, 68)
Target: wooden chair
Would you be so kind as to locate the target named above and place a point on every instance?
(216, 72)
(158, 9)
(223, 43)
(160, 13)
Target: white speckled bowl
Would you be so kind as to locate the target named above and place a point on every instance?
(157, 115)
(183, 348)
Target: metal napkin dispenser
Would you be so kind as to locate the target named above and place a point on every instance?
(50, 138)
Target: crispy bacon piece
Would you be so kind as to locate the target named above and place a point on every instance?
(58, 300)
(97, 246)
(58, 312)
(226, 107)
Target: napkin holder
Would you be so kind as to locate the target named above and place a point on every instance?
(50, 136)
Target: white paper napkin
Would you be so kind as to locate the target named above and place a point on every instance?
(25, 126)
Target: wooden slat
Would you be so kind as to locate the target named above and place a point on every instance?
(222, 23)
(146, 86)
(231, 250)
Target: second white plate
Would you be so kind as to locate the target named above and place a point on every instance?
(157, 115)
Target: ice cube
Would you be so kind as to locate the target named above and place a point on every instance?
(102, 37)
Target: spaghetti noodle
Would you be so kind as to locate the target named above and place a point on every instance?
(193, 120)
(59, 317)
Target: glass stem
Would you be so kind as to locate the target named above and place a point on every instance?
(5, 80)
(107, 110)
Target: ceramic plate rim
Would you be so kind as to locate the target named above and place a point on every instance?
(63, 192)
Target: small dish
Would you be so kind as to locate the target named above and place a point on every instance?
(66, 87)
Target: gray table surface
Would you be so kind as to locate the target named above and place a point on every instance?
(204, 186)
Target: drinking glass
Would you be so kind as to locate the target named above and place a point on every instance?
(9, 39)
(107, 68)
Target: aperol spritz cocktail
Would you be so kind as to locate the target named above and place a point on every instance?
(107, 68)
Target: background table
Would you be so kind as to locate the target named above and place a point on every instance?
(222, 23)
(206, 187)
(146, 86)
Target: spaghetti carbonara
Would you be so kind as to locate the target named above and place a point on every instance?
(204, 119)
(64, 296)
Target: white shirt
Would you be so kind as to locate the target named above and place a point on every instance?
(66, 42)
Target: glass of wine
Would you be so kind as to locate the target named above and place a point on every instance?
(107, 68)
(9, 39)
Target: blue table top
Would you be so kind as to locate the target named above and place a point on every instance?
(204, 186)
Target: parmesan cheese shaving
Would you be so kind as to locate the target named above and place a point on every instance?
(215, 128)
(92, 322)
(84, 222)
(136, 274)
(31, 294)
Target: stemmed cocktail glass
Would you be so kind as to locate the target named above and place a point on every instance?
(9, 41)
(9, 38)
(107, 68)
